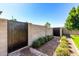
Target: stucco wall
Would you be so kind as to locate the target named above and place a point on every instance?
(3, 37)
(16, 33)
(36, 31)
(49, 31)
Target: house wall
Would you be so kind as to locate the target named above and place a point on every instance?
(36, 31)
(65, 31)
(3, 37)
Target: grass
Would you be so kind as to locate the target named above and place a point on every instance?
(76, 40)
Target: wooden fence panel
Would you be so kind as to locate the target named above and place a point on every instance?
(17, 35)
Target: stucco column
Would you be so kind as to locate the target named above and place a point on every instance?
(60, 32)
(45, 31)
(3, 37)
(29, 33)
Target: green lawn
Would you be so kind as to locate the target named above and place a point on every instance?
(76, 40)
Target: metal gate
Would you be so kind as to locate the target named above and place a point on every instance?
(56, 31)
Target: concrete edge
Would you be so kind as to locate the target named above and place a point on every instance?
(75, 46)
(36, 52)
(17, 50)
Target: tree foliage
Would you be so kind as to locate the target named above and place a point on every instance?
(0, 12)
(47, 24)
(72, 21)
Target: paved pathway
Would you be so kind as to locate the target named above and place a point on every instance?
(49, 47)
(75, 51)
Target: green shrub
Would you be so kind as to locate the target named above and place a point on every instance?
(36, 44)
(40, 41)
(62, 51)
(49, 37)
(46, 39)
(65, 42)
(63, 48)
(63, 38)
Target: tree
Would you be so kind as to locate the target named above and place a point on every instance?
(0, 12)
(14, 19)
(72, 21)
(47, 24)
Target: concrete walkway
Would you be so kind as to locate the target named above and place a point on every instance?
(49, 47)
(75, 51)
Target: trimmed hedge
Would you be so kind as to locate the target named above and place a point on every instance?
(36, 44)
(63, 48)
(42, 40)
(49, 37)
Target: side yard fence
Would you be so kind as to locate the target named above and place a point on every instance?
(14, 34)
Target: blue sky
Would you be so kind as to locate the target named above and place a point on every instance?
(38, 13)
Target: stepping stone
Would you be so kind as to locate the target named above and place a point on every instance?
(71, 51)
(70, 46)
